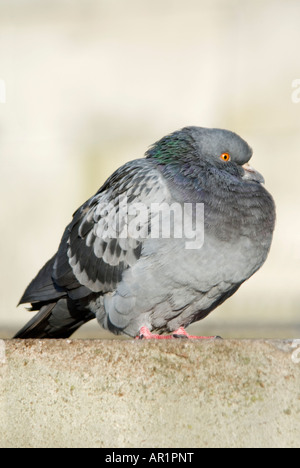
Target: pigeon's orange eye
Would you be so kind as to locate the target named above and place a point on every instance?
(225, 157)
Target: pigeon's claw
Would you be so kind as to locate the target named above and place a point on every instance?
(145, 334)
(180, 333)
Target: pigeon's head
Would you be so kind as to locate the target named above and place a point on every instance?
(214, 148)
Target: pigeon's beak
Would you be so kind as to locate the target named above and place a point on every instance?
(252, 174)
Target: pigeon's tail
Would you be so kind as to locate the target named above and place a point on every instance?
(55, 320)
(58, 316)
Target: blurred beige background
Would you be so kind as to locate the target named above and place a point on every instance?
(86, 85)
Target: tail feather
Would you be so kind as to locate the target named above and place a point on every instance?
(35, 328)
(55, 320)
(60, 312)
(42, 288)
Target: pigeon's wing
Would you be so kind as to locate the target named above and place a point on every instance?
(106, 234)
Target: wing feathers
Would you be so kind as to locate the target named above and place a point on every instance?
(97, 245)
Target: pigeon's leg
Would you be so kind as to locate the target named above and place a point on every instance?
(180, 333)
(146, 334)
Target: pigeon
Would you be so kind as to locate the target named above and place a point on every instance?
(164, 241)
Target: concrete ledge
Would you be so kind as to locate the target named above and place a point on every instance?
(102, 393)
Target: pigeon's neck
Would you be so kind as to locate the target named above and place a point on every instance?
(173, 149)
(175, 157)
(186, 181)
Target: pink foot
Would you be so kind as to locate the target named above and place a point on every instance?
(180, 333)
(145, 334)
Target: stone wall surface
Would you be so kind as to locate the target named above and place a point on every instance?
(177, 393)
